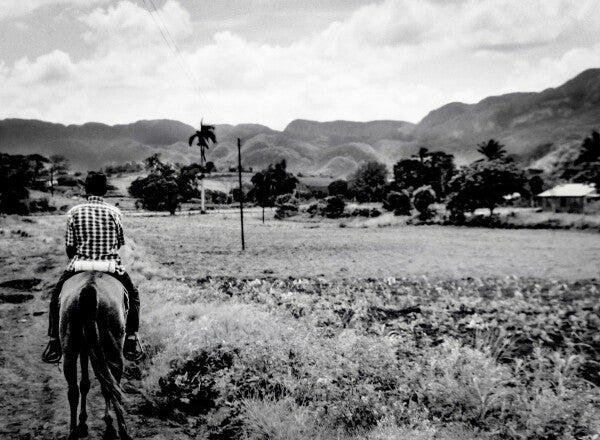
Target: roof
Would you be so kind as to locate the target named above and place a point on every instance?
(571, 190)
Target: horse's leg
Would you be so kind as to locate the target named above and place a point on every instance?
(70, 372)
(110, 433)
(117, 372)
(84, 387)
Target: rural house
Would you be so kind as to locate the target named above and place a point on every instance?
(569, 197)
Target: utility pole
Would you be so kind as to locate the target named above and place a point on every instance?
(239, 143)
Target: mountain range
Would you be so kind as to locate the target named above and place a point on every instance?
(537, 129)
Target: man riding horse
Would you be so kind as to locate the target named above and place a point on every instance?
(95, 233)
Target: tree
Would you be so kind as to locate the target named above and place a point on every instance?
(484, 185)
(586, 167)
(159, 190)
(58, 165)
(398, 201)
(205, 135)
(368, 183)
(492, 150)
(338, 188)
(422, 199)
(38, 164)
(410, 174)
(441, 170)
(435, 169)
(590, 149)
(423, 153)
(16, 176)
(270, 183)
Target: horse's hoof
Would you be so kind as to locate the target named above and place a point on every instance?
(110, 434)
(123, 435)
(73, 435)
(82, 430)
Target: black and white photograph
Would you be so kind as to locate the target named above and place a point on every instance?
(300, 219)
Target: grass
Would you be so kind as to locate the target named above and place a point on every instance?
(430, 332)
(210, 245)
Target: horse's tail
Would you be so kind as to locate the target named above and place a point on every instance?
(88, 304)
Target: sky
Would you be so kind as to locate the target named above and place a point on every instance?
(273, 61)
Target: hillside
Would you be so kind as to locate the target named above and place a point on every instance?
(531, 125)
(537, 128)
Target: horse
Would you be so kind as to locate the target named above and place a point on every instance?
(93, 309)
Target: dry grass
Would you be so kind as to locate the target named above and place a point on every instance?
(209, 245)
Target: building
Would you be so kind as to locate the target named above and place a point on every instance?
(570, 197)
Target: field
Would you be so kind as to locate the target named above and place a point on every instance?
(319, 332)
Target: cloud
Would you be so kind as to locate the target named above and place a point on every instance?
(397, 59)
(127, 24)
(466, 24)
(16, 8)
(552, 71)
(46, 70)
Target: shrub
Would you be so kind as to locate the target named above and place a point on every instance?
(67, 180)
(338, 188)
(334, 206)
(315, 209)
(399, 202)
(422, 199)
(41, 205)
(286, 206)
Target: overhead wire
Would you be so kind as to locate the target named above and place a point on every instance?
(171, 44)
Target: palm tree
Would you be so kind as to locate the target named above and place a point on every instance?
(492, 149)
(204, 135)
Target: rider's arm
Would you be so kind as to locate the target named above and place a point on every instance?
(120, 235)
(71, 251)
(70, 238)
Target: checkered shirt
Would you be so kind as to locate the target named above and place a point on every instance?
(95, 230)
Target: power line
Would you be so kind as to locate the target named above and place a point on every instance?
(172, 45)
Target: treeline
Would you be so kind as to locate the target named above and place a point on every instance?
(415, 183)
(21, 173)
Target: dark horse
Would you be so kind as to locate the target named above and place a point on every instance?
(92, 327)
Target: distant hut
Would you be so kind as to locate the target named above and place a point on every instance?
(569, 197)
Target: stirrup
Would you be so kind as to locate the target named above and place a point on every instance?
(137, 353)
(49, 356)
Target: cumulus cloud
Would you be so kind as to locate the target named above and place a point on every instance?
(467, 23)
(47, 70)
(397, 59)
(127, 24)
(16, 8)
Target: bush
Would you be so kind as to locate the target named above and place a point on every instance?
(286, 206)
(422, 199)
(41, 205)
(334, 206)
(67, 180)
(399, 202)
(338, 188)
(315, 209)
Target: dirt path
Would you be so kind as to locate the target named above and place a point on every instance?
(33, 402)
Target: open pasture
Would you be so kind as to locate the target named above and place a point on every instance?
(209, 245)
